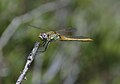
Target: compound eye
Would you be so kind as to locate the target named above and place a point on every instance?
(44, 35)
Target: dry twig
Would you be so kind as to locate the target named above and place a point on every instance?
(28, 63)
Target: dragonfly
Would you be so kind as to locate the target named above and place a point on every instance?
(50, 36)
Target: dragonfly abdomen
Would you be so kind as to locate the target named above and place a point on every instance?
(82, 39)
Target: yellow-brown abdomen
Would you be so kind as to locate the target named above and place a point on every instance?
(82, 39)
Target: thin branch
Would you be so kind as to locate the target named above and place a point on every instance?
(30, 58)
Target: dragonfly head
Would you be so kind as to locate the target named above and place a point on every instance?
(43, 36)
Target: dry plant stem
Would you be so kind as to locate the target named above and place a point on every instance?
(30, 58)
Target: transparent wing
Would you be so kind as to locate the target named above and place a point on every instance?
(43, 29)
(69, 32)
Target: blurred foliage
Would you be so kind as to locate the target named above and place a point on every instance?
(98, 61)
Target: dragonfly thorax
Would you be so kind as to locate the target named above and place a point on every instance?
(54, 37)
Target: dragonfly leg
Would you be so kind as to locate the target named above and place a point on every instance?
(44, 46)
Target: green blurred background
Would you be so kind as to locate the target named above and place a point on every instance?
(97, 62)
